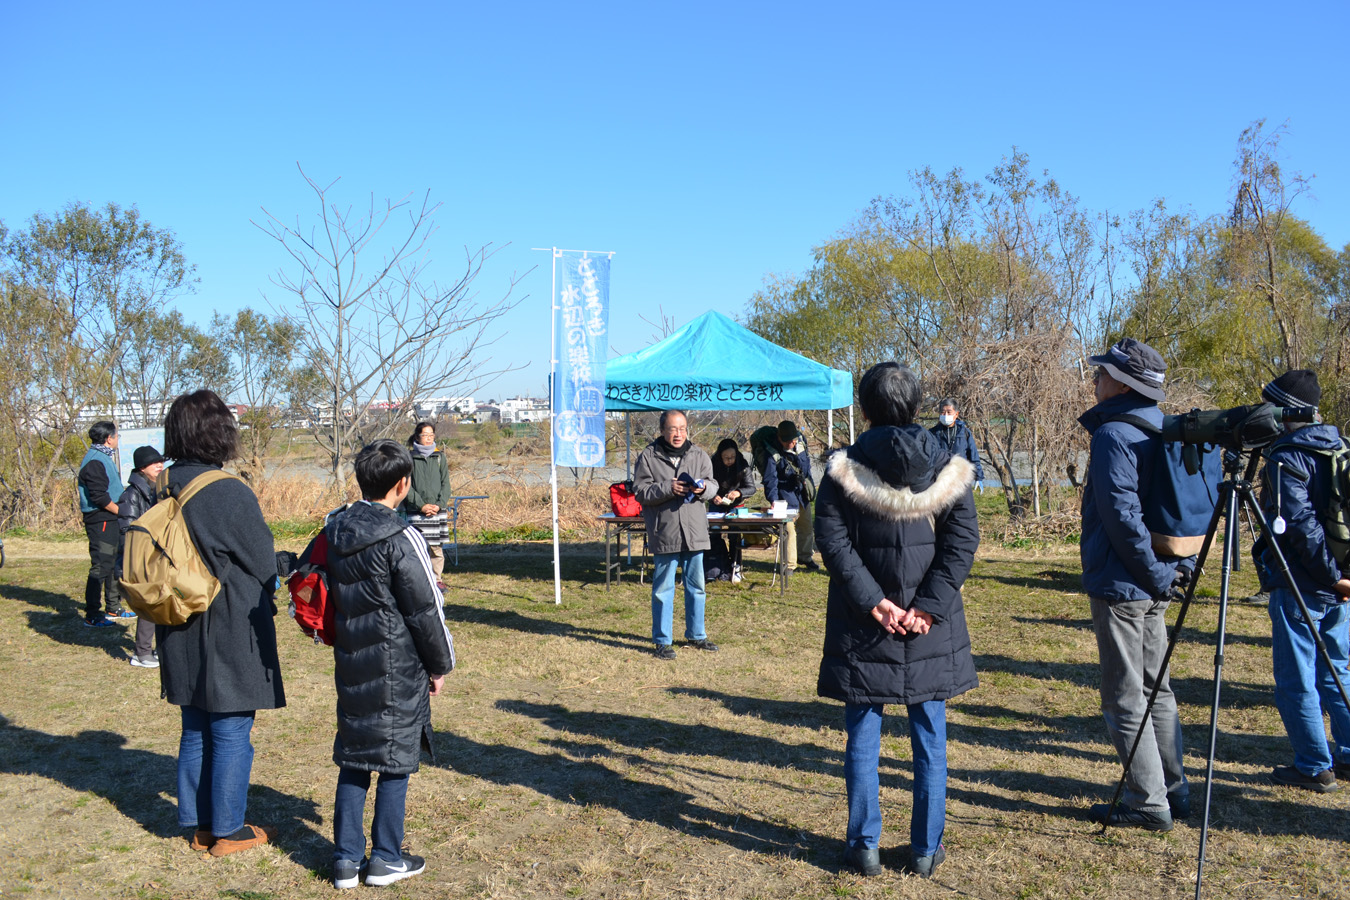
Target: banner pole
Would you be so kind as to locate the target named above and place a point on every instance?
(553, 418)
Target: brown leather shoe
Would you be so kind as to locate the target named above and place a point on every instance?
(201, 840)
(225, 846)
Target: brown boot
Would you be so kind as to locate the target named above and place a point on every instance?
(225, 846)
(201, 840)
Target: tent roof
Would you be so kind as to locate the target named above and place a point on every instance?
(714, 363)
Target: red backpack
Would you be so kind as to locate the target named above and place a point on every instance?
(311, 607)
(622, 499)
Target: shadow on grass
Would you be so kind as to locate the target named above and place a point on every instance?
(644, 733)
(500, 618)
(133, 781)
(590, 783)
(1064, 581)
(61, 618)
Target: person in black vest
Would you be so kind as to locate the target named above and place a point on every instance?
(896, 526)
(99, 486)
(220, 666)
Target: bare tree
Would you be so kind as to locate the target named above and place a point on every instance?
(375, 334)
(74, 284)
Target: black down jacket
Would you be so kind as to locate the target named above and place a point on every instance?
(391, 638)
(895, 518)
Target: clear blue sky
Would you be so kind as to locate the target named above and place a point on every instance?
(707, 144)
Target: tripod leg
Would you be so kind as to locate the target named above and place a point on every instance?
(1230, 546)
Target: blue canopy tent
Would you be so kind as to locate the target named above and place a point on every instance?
(714, 363)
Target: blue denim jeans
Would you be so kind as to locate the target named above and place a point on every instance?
(386, 829)
(215, 759)
(862, 756)
(663, 595)
(1304, 688)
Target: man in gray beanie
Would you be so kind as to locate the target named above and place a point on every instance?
(1296, 488)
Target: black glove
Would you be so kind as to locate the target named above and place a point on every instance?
(1180, 581)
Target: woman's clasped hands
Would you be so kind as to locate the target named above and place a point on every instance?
(899, 620)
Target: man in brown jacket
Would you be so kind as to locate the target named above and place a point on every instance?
(670, 480)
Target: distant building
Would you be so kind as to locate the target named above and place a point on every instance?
(524, 409)
(435, 407)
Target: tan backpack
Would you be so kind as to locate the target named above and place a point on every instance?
(164, 577)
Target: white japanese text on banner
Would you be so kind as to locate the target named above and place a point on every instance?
(582, 334)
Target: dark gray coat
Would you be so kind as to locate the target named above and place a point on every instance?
(391, 638)
(672, 524)
(225, 660)
(895, 519)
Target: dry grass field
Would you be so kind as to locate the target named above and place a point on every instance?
(571, 763)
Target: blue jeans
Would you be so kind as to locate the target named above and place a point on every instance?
(1304, 688)
(862, 755)
(215, 759)
(386, 829)
(663, 595)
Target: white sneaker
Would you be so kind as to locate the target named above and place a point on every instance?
(139, 663)
(736, 574)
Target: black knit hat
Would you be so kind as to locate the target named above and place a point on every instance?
(1297, 387)
(146, 456)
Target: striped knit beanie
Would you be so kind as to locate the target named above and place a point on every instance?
(1297, 387)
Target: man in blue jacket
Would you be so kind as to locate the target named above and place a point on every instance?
(1296, 486)
(1129, 587)
(956, 436)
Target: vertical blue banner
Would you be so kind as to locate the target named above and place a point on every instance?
(581, 330)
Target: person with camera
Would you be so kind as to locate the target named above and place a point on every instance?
(1129, 587)
(1296, 492)
(671, 478)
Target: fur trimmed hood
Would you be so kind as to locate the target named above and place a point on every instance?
(893, 473)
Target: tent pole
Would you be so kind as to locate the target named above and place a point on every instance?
(829, 430)
(851, 438)
(628, 471)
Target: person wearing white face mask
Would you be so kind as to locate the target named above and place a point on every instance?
(957, 438)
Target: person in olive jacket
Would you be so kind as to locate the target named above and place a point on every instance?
(221, 666)
(670, 479)
(895, 524)
(430, 492)
(392, 652)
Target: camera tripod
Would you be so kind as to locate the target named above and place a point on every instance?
(1235, 493)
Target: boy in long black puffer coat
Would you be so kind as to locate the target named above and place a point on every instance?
(392, 652)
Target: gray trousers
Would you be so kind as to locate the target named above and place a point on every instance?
(1131, 641)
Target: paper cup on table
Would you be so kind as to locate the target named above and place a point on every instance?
(779, 509)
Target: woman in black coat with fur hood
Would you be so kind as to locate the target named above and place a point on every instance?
(895, 523)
